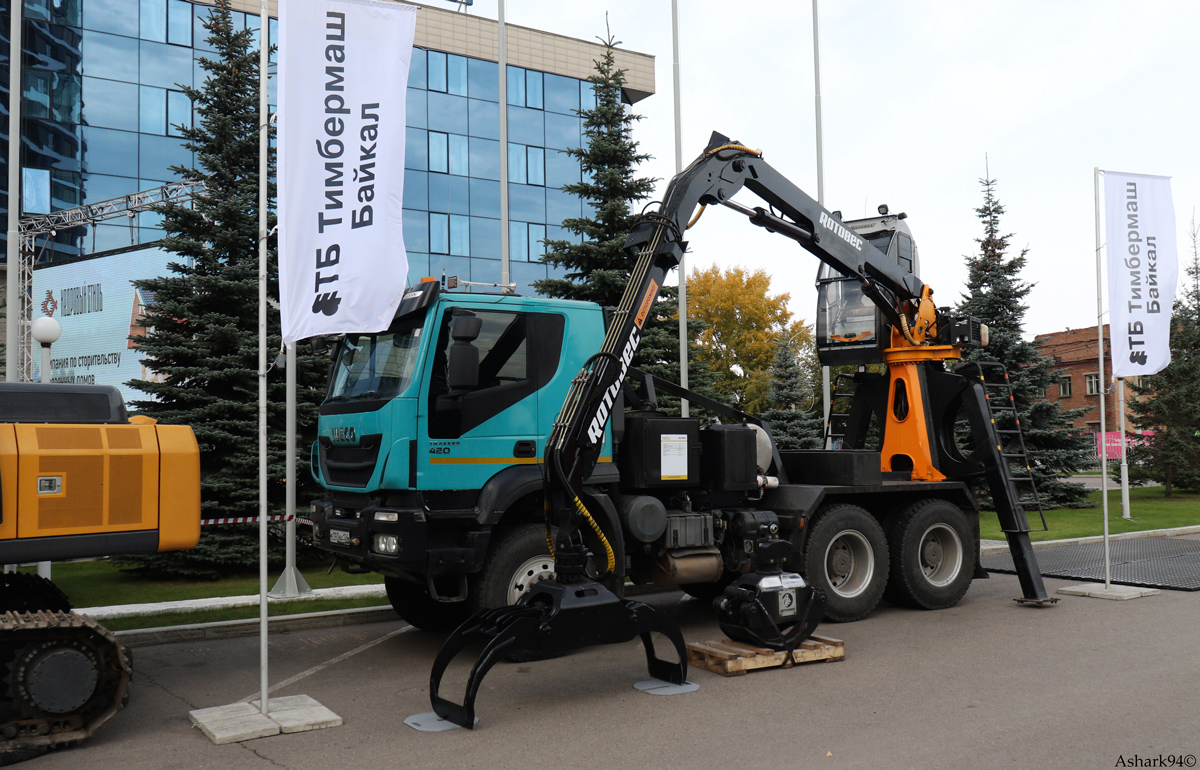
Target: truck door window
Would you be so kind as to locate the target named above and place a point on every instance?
(905, 251)
(505, 374)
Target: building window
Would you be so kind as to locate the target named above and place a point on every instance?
(450, 234)
(1091, 382)
(526, 165)
(1064, 387)
(35, 191)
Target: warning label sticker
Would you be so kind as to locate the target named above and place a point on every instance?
(673, 456)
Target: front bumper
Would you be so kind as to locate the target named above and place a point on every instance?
(425, 543)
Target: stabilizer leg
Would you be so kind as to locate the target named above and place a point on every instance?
(653, 619)
(1033, 590)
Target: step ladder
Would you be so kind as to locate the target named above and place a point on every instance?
(835, 426)
(1002, 411)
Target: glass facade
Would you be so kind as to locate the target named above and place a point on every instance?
(103, 100)
(102, 103)
(452, 175)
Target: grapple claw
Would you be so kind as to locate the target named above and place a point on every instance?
(551, 620)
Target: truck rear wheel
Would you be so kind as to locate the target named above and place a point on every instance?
(519, 559)
(413, 604)
(932, 558)
(846, 557)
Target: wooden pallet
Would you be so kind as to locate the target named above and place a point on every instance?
(729, 658)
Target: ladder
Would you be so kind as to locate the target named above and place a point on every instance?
(835, 426)
(1014, 462)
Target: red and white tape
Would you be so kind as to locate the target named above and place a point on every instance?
(245, 519)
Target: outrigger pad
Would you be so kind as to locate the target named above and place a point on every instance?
(552, 620)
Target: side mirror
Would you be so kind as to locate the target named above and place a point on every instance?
(462, 364)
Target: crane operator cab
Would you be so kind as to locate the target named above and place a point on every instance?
(850, 328)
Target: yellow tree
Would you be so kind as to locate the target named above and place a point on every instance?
(743, 325)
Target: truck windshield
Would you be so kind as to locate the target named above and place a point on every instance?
(376, 365)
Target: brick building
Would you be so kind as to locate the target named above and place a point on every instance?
(1075, 352)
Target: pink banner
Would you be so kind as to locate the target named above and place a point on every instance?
(1112, 443)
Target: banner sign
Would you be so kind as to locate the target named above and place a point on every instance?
(343, 69)
(1142, 271)
(1111, 443)
(98, 307)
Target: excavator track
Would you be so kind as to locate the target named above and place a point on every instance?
(62, 675)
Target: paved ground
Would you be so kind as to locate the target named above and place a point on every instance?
(985, 684)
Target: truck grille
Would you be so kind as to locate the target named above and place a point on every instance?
(349, 466)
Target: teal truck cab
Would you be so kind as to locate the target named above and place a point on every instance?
(421, 470)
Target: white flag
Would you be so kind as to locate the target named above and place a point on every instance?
(1142, 271)
(343, 78)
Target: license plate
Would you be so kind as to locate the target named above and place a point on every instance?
(787, 603)
(339, 537)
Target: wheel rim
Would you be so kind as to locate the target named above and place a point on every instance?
(530, 573)
(849, 563)
(941, 555)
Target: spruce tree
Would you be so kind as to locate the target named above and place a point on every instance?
(996, 295)
(598, 268)
(201, 322)
(794, 423)
(1168, 403)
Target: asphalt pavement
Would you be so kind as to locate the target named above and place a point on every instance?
(1088, 683)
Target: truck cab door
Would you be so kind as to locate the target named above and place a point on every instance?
(475, 429)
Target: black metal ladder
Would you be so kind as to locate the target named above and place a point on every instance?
(835, 426)
(998, 393)
(1002, 482)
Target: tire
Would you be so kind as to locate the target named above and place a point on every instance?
(846, 557)
(413, 603)
(932, 555)
(517, 560)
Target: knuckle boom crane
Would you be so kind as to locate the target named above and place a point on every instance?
(872, 310)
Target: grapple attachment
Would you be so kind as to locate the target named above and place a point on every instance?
(552, 620)
(777, 611)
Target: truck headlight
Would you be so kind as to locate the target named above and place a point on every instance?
(387, 516)
(386, 544)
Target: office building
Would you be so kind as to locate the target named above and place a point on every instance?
(101, 99)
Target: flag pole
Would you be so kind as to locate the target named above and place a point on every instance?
(826, 390)
(12, 269)
(502, 59)
(264, 122)
(1103, 442)
(683, 314)
(1124, 465)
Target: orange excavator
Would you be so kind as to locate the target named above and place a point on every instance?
(79, 479)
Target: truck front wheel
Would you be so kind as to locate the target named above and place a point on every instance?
(413, 603)
(519, 559)
(932, 561)
(847, 558)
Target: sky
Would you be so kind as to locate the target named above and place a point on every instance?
(920, 100)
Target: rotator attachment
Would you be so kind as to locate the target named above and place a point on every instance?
(774, 611)
(767, 607)
(551, 620)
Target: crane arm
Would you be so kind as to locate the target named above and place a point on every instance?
(657, 242)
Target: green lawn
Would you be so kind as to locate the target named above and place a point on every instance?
(1148, 506)
(100, 583)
